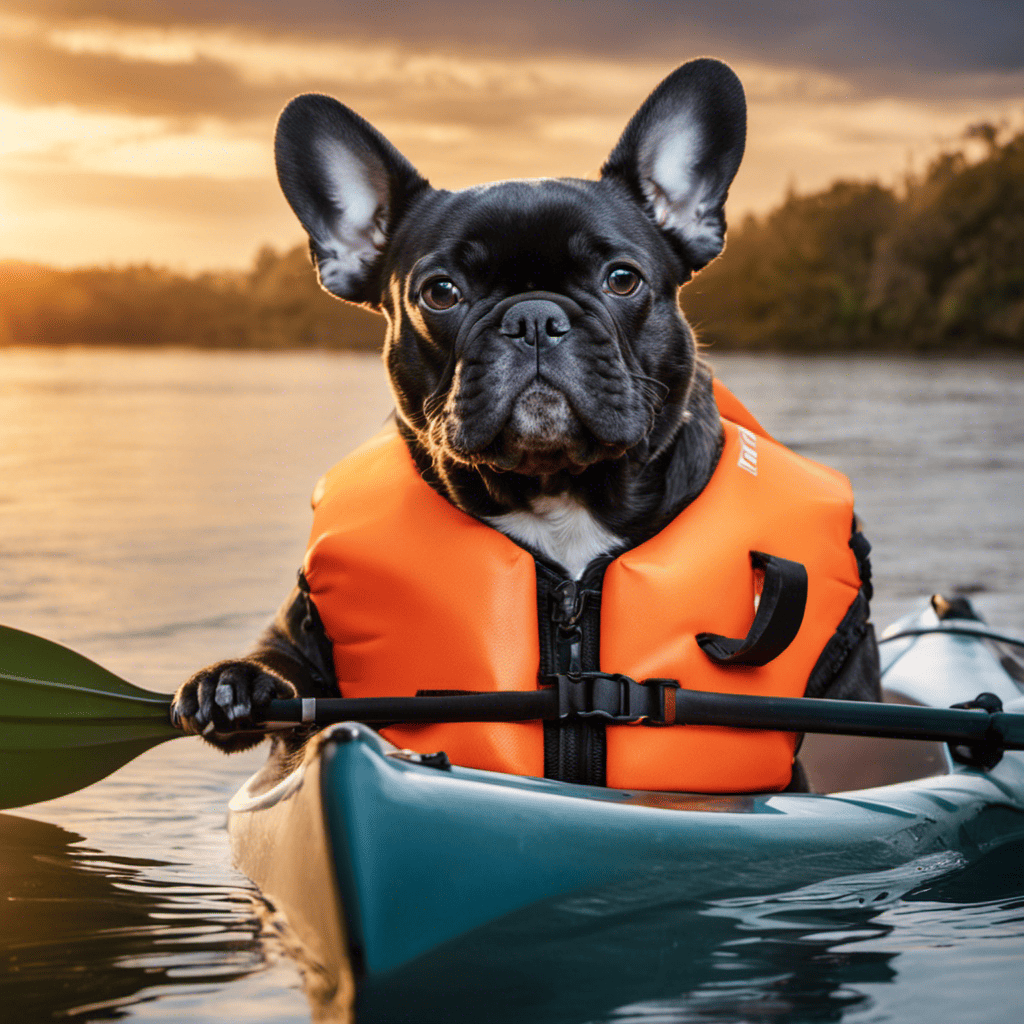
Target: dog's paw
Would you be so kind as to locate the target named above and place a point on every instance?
(222, 703)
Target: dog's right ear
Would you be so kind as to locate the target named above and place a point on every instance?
(347, 185)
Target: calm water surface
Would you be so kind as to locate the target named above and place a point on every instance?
(153, 511)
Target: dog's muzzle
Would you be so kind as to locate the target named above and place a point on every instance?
(518, 410)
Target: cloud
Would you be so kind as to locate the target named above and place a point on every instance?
(36, 72)
(66, 139)
(242, 73)
(190, 67)
(95, 218)
(97, 95)
(924, 37)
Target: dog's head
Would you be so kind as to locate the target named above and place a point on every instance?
(534, 331)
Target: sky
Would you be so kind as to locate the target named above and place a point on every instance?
(142, 131)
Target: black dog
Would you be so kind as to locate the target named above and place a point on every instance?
(545, 379)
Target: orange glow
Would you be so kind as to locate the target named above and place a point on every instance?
(138, 173)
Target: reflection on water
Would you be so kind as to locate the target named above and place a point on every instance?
(154, 506)
(120, 901)
(83, 931)
(153, 510)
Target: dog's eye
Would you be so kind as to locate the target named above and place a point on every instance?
(622, 281)
(440, 293)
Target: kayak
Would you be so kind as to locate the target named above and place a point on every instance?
(381, 859)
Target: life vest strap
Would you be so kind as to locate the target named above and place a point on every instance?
(609, 696)
(776, 622)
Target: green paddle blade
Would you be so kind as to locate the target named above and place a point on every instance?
(66, 722)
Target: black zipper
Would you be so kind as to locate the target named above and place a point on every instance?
(569, 613)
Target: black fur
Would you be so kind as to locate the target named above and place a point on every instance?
(545, 374)
(631, 426)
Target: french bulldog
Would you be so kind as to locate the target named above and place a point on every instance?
(545, 379)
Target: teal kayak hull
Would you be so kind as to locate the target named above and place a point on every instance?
(431, 855)
(413, 861)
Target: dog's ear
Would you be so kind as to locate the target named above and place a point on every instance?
(347, 185)
(679, 153)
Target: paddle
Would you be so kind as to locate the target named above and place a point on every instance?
(66, 722)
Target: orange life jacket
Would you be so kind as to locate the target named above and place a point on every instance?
(416, 595)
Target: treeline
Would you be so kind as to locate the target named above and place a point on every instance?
(938, 265)
(277, 304)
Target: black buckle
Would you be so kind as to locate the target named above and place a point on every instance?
(613, 697)
(988, 751)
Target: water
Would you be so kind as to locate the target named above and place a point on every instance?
(153, 511)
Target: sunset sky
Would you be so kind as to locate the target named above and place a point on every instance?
(142, 131)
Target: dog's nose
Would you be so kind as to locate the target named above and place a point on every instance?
(536, 323)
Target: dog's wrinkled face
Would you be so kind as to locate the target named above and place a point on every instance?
(534, 327)
(534, 332)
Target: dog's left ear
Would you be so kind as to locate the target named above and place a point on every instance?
(347, 185)
(680, 152)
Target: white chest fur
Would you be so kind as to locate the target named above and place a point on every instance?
(561, 528)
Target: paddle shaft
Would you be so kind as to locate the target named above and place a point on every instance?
(66, 722)
(692, 707)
